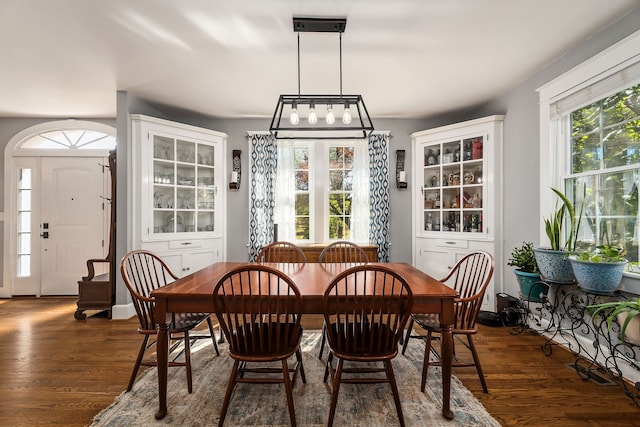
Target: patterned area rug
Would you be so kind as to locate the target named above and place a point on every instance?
(368, 405)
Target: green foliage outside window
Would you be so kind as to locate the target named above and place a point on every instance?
(605, 157)
(340, 187)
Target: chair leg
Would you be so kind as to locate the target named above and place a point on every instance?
(407, 335)
(425, 363)
(187, 361)
(299, 358)
(227, 396)
(143, 347)
(289, 390)
(335, 383)
(324, 339)
(326, 367)
(476, 360)
(213, 336)
(394, 389)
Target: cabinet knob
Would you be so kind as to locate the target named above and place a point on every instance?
(186, 243)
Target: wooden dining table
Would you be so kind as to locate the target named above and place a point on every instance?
(193, 293)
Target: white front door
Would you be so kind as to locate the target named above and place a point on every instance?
(61, 222)
(72, 221)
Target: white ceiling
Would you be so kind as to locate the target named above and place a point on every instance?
(408, 58)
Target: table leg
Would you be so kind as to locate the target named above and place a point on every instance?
(162, 350)
(447, 357)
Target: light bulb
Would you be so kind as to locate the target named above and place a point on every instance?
(346, 116)
(293, 118)
(331, 118)
(313, 117)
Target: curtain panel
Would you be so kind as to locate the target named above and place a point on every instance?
(379, 194)
(263, 155)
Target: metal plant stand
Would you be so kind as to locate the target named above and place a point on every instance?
(561, 317)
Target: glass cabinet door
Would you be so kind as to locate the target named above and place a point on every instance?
(452, 185)
(184, 187)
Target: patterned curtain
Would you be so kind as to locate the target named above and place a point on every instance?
(379, 194)
(262, 184)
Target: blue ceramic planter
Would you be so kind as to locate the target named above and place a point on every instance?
(602, 278)
(554, 265)
(531, 288)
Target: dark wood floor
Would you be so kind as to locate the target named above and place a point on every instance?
(56, 370)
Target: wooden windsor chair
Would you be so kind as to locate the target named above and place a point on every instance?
(470, 277)
(342, 252)
(259, 309)
(144, 272)
(365, 310)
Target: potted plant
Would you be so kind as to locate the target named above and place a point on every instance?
(552, 261)
(599, 272)
(626, 311)
(527, 273)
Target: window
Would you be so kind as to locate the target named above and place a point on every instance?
(604, 148)
(24, 222)
(340, 193)
(590, 141)
(325, 189)
(65, 139)
(303, 194)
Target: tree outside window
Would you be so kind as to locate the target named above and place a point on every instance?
(605, 160)
(340, 192)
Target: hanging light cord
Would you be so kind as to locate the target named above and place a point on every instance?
(298, 64)
(340, 64)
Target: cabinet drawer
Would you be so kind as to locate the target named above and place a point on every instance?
(185, 244)
(451, 243)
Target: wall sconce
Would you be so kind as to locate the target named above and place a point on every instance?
(401, 175)
(234, 182)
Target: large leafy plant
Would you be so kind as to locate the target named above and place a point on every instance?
(610, 310)
(555, 223)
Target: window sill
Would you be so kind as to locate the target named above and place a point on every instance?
(630, 283)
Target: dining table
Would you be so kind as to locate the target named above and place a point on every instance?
(194, 293)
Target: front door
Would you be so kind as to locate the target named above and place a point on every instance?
(72, 221)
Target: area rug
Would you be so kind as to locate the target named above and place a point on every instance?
(368, 405)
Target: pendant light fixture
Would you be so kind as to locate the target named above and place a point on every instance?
(288, 119)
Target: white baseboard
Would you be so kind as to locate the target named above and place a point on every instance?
(575, 342)
(123, 311)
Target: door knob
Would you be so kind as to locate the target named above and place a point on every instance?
(45, 235)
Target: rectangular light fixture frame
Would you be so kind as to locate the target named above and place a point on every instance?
(360, 126)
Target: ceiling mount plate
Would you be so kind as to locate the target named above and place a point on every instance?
(319, 25)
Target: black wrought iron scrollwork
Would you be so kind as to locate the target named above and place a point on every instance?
(561, 316)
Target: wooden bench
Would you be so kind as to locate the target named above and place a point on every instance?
(98, 292)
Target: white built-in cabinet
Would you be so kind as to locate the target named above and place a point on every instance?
(178, 202)
(457, 197)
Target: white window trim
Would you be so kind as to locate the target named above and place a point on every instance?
(318, 186)
(553, 156)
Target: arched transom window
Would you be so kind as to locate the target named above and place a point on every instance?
(74, 139)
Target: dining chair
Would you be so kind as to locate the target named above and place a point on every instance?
(285, 252)
(365, 309)
(143, 272)
(343, 252)
(259, 309)
(470, 277)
